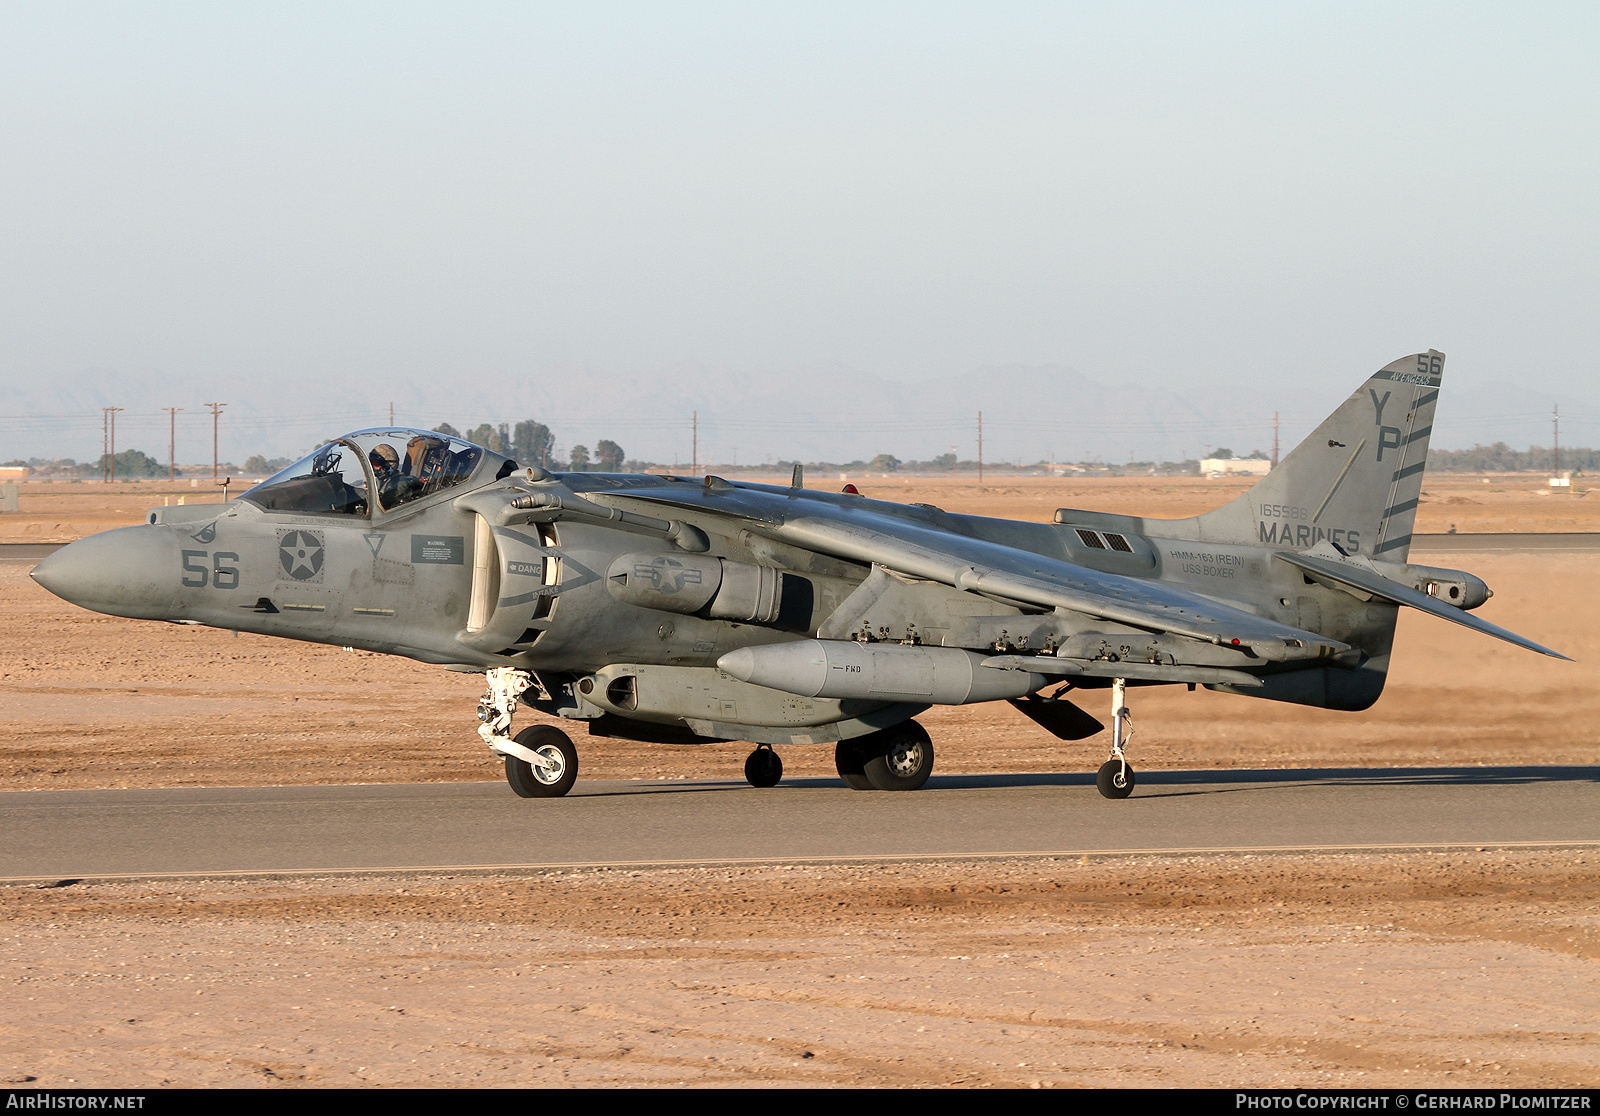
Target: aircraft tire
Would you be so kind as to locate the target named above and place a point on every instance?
(901, 758)
(526, 780)
(848, 758)
(763, 768)
(1111, 782)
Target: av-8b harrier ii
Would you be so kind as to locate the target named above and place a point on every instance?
(664, 609)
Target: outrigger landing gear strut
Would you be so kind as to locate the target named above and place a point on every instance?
(1115, 779)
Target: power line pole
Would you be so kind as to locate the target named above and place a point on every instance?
(172, 442)
(1557, 447)
(111, 453)
(1274, 439)
(980, 447)
(694, 466)
(391, 412)
(216, 410)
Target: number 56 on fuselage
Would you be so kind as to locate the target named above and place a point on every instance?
(677, 610)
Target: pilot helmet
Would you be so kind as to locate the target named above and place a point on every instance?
(383, 456)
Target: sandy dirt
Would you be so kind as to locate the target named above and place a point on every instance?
(1419, 970)
(1464, 969)
(1494, 502)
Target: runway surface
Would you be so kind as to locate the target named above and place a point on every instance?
(87, 834)
(1422, 544)
(1508, 543)
(27, 552)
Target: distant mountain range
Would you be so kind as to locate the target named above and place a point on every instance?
(1030, 413)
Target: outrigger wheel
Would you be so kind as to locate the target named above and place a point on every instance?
(561, 759)
(763, 767)
(1115, 779)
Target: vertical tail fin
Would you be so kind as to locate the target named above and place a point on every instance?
(1355, 481)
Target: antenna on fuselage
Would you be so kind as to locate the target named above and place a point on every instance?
(799, 480)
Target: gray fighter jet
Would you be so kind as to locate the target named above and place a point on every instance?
(663, 609)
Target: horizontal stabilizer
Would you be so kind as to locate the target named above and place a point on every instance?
(1371, 581)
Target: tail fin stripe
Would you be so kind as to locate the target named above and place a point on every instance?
(1398, 508)
(1417, 435)
(1410, 471)
(1393, 544)
(1428, 398)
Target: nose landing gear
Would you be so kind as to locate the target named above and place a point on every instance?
(542, 761)
(554, 775)
(763, 768)
(1115, 778)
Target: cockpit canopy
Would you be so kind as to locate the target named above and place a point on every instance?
(399, 465)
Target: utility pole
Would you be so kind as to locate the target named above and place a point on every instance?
(111, 453)
(1274, 439)
(391, 412)
(694, 464)
(172, 442)
(980, 447)
(105, 415)
(1557, 421)
(216, 410)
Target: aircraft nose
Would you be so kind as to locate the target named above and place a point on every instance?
(126, 572)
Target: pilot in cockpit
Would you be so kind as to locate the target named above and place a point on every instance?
(394, 487)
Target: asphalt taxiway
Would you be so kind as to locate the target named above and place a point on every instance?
(70, 834)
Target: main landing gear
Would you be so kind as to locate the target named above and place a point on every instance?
(542, 761)
(763, 768)
(891, 759)
(1115, 778)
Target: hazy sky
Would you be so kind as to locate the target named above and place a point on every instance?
(1262, 201)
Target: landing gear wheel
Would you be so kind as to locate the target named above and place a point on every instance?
(1115, 779)
(763, 767)
(901, 758)
(557, 749)
(848, 758)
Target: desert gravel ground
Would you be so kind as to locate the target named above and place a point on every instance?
(1429, 969)
(1415, 970)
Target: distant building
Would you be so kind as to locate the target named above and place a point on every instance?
(1235, 467)
(13, 472)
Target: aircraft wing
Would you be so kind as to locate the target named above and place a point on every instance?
(862, 534)
(1370, 581)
